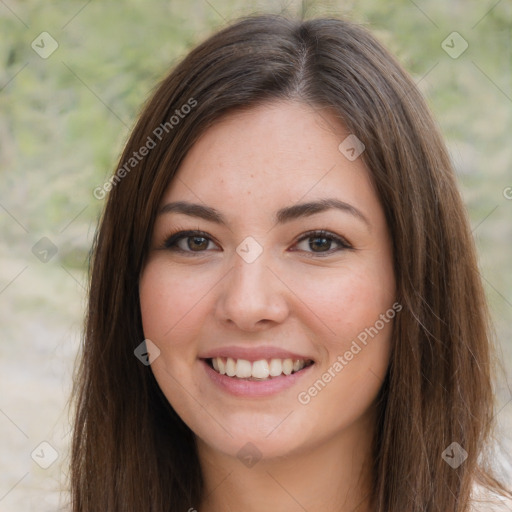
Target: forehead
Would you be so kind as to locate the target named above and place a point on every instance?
(268, 156)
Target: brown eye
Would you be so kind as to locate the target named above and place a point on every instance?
(321, 243)
(188, 242)
(318, 244)
(199, 243)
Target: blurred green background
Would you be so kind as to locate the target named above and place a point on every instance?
(63, 122)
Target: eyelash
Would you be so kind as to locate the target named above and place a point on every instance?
(171, 241)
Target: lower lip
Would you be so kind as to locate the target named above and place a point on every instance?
(254, 388)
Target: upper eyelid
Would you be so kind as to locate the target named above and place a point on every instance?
(339, 239)
(186, 233)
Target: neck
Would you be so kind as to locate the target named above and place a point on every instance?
(332, 476)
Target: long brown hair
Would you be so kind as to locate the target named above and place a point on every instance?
(131, 452)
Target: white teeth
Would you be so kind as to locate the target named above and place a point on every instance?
(261, 369)
(287, 366)
(243, 369)
(230, 367)
(276, 367)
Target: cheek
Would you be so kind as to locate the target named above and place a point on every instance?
(172, 305)
(167, 298)
(348, 302)
(357, 347)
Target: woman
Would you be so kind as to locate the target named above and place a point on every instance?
(285, 308)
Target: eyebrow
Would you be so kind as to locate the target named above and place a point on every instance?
(282, 216)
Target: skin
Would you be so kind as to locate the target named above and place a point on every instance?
(247, 166)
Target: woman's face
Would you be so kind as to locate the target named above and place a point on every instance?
(284, 260)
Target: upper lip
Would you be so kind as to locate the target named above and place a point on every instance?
(253, 353)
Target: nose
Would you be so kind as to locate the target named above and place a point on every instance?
(252, 297)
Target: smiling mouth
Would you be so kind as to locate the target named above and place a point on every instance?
(261, 370)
